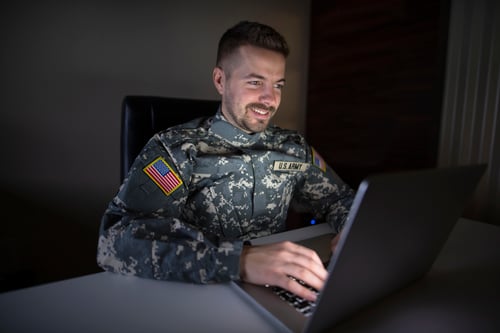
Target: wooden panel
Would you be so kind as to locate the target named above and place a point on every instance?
(375, 84)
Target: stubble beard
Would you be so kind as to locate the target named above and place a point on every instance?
(261, 124)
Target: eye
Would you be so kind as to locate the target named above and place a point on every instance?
(255, 83)
(279, 86)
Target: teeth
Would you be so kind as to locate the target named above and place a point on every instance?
(263, 112)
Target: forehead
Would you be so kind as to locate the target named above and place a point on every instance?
(256, 60)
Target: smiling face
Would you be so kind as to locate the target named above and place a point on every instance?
(250, 82)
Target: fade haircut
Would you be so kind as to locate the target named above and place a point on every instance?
(250, 33)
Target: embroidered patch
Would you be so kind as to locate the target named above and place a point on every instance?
(318, 160)
(162, 174)
(290, 166)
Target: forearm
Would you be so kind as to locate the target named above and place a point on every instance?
(165, 249)
(339, 210)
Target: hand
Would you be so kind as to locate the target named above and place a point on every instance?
(275, 264)
(334, 242)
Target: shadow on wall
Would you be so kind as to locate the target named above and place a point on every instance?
(41, 245)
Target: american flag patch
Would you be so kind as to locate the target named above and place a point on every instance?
(318, 160)
(162, 174)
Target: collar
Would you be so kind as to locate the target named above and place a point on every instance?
(222, 128)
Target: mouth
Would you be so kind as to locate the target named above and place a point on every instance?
(261, 111)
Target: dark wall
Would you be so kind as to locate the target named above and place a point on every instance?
(376, 78)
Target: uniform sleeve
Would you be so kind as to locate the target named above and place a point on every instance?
(323, 193)
(142, 232)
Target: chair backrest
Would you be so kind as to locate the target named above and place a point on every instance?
(144, 116)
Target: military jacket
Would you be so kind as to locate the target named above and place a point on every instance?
(199, 190)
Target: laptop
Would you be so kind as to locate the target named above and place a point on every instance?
(395, 229)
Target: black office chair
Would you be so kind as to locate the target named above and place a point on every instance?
(144, 116)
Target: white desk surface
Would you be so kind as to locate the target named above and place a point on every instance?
(106, 302)
(461, 293)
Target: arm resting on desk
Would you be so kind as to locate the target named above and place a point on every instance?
(142, 232)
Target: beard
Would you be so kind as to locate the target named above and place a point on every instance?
(254, 124)
(245, 117)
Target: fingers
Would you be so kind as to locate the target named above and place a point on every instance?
(274, 264)
(303, 264)
(299, 288)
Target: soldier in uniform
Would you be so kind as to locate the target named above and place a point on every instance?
(199, 192)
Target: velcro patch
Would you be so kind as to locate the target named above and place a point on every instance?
(162, 174)
(318, 160)
(290, 166)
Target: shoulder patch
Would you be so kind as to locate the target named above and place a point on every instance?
(162, 174)
(317, 160)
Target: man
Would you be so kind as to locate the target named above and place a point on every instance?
(199, 192)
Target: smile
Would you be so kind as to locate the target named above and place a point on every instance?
(260, 111)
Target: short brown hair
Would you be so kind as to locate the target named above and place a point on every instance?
(251, 33)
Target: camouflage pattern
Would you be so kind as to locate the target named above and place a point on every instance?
(235, 187)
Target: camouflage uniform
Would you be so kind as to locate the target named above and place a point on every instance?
(199, 190)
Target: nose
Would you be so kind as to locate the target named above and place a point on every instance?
(270, 96)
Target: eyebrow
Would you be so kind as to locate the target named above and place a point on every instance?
(260, 77)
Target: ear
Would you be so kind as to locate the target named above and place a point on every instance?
(219, 79)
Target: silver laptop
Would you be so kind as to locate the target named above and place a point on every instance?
(396, 227)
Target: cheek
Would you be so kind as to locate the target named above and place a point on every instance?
(242, 97)
(278, 99)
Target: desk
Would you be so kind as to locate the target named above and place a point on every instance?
(461, 293)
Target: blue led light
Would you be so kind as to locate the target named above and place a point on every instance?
(313, 221)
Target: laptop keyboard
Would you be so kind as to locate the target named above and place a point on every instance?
(300, 304)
